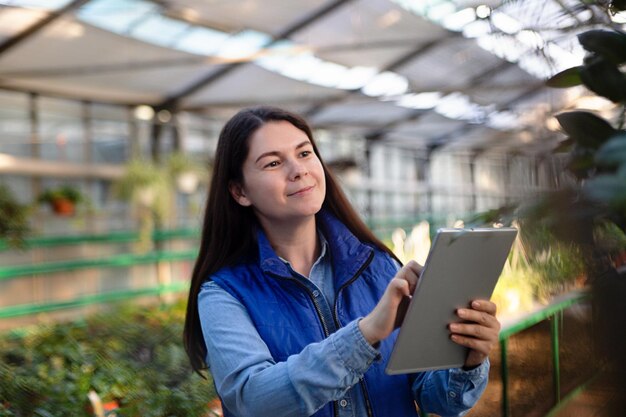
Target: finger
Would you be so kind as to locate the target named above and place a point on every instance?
(475, 331)
(400, 287)
(415, 267)
(485, 306)
(396, 299)
(472, 343)
(479, 317)
(410, 272)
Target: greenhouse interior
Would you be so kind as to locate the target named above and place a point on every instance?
(430, 114)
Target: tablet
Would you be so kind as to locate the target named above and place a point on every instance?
(462, 265)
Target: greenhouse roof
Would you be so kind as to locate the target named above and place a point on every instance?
(419, 74)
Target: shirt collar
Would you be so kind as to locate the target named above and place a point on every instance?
(323, 251)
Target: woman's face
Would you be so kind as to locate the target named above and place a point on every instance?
(283, 179)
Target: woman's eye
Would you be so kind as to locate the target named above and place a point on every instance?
(305, 153)
(272, 164)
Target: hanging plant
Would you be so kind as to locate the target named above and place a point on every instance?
(145, 185)
(186, 172)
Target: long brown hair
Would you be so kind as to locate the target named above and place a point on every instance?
(228, 231)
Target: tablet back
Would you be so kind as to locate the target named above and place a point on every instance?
(463, 265)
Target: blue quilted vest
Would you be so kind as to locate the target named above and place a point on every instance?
(287, 320)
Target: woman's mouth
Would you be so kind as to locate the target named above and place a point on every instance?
(301, 191)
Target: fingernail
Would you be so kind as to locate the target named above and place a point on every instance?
(475, 304)
(461, 313)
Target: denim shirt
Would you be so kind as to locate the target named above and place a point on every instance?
(251, 383)
(320, 282)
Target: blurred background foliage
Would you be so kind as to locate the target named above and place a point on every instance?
(14, 225)
(132, 357)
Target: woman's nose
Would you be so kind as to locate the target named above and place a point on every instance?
(297, 170)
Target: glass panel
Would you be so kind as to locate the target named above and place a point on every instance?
(61, 130)
(202, 41)
(115, 15)
(200, 135)
(15, 129)
(160, 30)
(110, 142)
(243, 44)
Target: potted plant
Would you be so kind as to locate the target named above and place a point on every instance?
(62, 200)
(13, 218)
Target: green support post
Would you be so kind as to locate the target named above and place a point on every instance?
(504, 370)
(556, 371)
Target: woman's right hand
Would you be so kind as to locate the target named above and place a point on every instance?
(390, 310)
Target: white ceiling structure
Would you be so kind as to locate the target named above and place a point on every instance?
(415, 73)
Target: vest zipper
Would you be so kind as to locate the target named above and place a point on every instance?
(368, 405)
(319, 315)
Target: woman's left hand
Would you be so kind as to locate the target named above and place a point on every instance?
(478, 331)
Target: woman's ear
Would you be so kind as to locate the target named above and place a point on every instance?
(236, 190)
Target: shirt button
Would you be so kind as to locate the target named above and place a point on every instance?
(343, 403)
(452, 394)
(316, 293)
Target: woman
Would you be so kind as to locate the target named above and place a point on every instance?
(293, 300)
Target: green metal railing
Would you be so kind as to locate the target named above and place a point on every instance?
(108, 238)
(553, 312)
(28, 309)
(112, 261)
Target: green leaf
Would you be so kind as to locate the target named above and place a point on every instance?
(607, 189)
(609, 44)
(613, 152)
(502, 214)
(586, 129)
(605, 79)
(564, 79)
